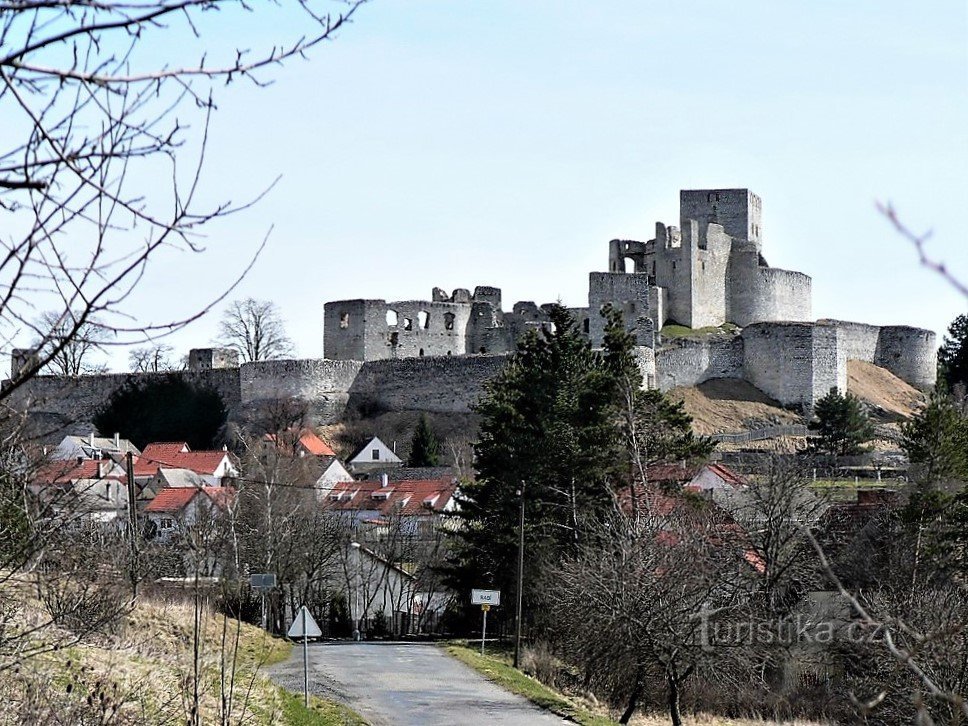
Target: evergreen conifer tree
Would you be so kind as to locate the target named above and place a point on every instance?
(841, 423)
(953, 354)
(424, 446)
(936, 438)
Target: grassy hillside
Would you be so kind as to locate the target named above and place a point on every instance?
(146, 669)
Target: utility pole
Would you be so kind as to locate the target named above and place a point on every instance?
(132, 521)
(520, 593)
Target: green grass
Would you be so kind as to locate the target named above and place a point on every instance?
(496, 666)
(321, 712)
(672, 330)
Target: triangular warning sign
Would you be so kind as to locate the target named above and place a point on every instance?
(304, 626)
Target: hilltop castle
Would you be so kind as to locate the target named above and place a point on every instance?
(435, 355)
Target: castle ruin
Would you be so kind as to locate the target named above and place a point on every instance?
(436, 355)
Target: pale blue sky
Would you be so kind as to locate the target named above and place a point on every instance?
(504, 143)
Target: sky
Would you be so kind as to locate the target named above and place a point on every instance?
(454, 144)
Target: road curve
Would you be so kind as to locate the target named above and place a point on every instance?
(399, 684)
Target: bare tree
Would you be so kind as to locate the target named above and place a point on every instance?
(255, 329)
(71, 345)
(633, 606)
(94, 118)
(151, 359)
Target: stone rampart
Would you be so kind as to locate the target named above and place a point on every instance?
(444, 384)
(690, 361)
(325, 384)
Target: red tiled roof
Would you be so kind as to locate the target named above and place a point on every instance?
(683, 474)
(177, 498)
(727, 475)
(315, 445)
(57, 472)
(407, 497)
(171, 500)
(308, 440)
(172, 456)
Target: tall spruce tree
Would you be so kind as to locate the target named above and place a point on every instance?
(841, 423)
(936, 439)
(553, 426)
(424, 446)
(953, 354)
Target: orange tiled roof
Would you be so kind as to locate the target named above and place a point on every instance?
(177, 456)
(176, 499)
(407, 497)
(58, 472)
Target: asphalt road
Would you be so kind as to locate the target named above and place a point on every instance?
(406, 683)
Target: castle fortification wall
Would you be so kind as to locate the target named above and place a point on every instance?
(325, 384)
(792, 361)
(784, 294)
(63, 400)
(910, 354)
(439, 384)
(690, 361)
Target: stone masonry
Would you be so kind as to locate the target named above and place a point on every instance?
(437, 354)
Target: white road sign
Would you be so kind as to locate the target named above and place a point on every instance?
(485, 597)
(303, 626)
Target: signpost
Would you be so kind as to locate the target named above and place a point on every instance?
(260, 583)
(485, 598)
(303, 626)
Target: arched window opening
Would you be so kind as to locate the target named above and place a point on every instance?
(391, 317)
(407, 324)
(344, 320)
(629, 264)
(421, 353)
(423, 319)
(394, 338)
(585, 325)
(483, 349)
(448, 322)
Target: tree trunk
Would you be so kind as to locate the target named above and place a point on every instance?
(674, 713)
(633, 698)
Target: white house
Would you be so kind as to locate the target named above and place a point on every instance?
(375, 455)
(82, 490)
(177, 510)
(91, 447)
(333, 473)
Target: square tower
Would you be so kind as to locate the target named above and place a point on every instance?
(737, 210)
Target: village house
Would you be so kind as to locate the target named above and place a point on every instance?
(214, 467)
(374, 455)
(92, 447)
(177, 510)
(82, 491)
(413, 505)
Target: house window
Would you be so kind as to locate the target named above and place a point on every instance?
(344, 320)
(167, 523)
(375, 454)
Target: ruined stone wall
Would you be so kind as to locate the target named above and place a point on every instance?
(909, 353)
(778, 358)
(325, 384)
(690, 361)
(737, 210)
(439, 384)
(626, 292)
(62, 400)
(783, 295)
(709, 268)
(354, 329)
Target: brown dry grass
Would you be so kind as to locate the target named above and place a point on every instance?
(725, 405)
(889, 398)
(141, 672)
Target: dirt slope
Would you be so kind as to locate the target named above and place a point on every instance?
(890, 398)
(726, 405)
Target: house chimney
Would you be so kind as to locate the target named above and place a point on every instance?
(91, 439)
(384, 480)
(117, 442)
